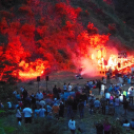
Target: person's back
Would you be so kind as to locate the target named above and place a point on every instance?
(71, 125)
(27, 111)
(49, 108)
(55, 109)
(65, 87)
(97, 103)
(42, 112)
(117, 102)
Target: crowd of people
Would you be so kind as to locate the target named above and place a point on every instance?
(53, 105)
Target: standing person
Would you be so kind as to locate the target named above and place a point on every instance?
(132, 94)
(83, 97)
(39, 95)
(99, 127)
(33, 101)
(81, 108)
(106, 126)
(42, 103)
(71, 125)
(97, 104)
(42, 112)
(48, 108)
(99, 85)
(61, 109)
(55, 92)
(65, 87)
(103, 105)
(125, 105)
(19, 116)
(69, 106)
(102, 89)
(27, 111)
(117, 104)
(24, 93)
(132, 123)
(55, 109)
(107, 96)
(75, 104)
(70, 87)
(9, 104)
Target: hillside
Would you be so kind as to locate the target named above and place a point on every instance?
(39, 34)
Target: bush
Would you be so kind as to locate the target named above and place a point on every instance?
(44, 126)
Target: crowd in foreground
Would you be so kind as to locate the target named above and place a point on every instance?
(70, 100)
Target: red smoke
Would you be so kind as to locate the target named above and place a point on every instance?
(43, 35)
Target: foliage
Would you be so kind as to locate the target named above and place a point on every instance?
(6, 129)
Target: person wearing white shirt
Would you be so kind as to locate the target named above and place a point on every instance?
(71, 125)
(102, 89)
(19, 116)
(130, 89)
(27, 111)
(121, 98)
(70, 87)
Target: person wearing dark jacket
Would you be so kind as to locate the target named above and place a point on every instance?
(61, 109)
(103, 106)
(99, 85)
(75, 104)
(99, 127)
(81, 108)
(69, 106)
(83, 98)
(55, 92)
(125, 105)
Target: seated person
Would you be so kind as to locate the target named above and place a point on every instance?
(126, 124)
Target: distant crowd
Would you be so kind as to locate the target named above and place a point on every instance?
(111, 98)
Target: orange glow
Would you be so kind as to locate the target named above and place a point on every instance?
(32, 69)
